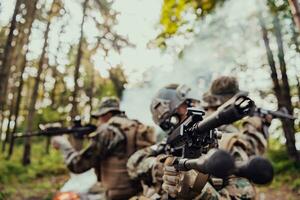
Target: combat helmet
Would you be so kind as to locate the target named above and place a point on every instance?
(106, 105)
(221, 90)
(166, 101)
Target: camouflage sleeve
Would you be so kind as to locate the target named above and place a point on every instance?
(106, 139)
(253, 133)
(140, 163)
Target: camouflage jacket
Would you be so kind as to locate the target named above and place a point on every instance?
(248, 135)
(108, 140)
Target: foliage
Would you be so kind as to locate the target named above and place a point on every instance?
(118, 78)
(44, 166)
(277, 6)
(179, 16)
(286, 170)
(56, 85)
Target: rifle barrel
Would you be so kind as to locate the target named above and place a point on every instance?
(54, 131)
(235, 109)
(275, 114)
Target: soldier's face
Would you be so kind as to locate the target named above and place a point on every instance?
(182, 111)
(104, 118)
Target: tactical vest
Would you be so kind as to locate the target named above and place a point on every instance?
(114, 175)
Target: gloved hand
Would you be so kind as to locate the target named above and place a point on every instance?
(158, 168)
(60, 142)
(179, 184)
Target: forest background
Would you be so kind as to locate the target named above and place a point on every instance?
(58, 58)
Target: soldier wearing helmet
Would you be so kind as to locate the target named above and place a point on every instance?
(168, 108)
(251, 128)
(169, 105)
(116, 138)
(241, 142)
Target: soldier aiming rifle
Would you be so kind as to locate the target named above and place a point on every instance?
(78, 130)
(188, 137)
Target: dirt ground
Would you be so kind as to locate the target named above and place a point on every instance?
(282, 193)
(31, 192)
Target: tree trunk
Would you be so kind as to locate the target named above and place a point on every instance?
(77, 143)
(271, 61)
(22, 65)
(18, 104)
(288, 125)
(298, 89)
(74, 110)
(53, 92)
(295, 9)
(34, 96)
(296, 43)
(4, 67)
(11, 109)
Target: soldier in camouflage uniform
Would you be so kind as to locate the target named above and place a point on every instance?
(169, 108)
(116, 138)
(250, 129)
(242, 139)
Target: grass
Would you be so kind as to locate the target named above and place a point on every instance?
(38, 178)
(286, 170)
(46, 173)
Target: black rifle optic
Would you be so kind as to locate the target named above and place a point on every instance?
(282, 114)
(78, 130)
(195, 136)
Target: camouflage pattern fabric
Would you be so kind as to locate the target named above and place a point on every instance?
(140, 167)
(107, 139)
(240, 145)
(108, 152)
(253, 133)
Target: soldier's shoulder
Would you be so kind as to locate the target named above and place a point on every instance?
(104, 130)
(122, 121)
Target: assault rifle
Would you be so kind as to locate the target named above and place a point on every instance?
(195, 136)
(281, 113)
(78, 130)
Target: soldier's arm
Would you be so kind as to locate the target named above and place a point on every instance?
(106, 139)
(140, 164)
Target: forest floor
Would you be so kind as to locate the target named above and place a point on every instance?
(48, 186)
(47, 173)
(39, 189)
(282, 193)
